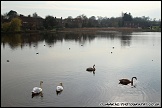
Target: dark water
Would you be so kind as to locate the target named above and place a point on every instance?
(65, 57)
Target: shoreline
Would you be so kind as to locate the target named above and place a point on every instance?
(120, 29)
(67, 30)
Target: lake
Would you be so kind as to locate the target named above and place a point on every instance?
(27, 59)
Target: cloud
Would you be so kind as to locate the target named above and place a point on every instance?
(89, 8)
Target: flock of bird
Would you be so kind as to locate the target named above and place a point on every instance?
(38, 90)
(59, 88)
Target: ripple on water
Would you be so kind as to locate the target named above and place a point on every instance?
(140, 93)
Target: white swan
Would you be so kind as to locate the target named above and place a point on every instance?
(37, 90)
(59, 87)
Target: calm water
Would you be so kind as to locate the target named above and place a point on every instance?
(65, 57)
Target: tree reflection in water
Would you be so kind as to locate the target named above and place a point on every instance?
(32, 39)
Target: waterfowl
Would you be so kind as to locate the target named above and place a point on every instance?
(59, 87)
(91, 69)
(7, 60)
(59, 92)
(126, 81)
(37, 90)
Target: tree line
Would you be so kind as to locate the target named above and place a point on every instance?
(125, 20)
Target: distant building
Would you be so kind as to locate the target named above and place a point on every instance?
(59, 22)
(131, 24)
(4, 19)
(30, 23)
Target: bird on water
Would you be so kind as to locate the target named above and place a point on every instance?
(126, 81)
(91, 69)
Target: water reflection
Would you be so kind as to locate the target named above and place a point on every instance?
(92, 72)
(58, 63)
(37, 95)
(59, 92)
(32, 39)
(125, 37)
(134, 86)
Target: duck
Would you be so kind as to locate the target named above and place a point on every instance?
(59, 87)
(126, 81)
(91, 69)
(37, 90)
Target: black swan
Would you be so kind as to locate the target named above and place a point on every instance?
(91, 69)
(126, 81)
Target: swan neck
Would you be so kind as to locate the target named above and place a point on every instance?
(93, 66)
(132, 78)
(40, 85)
(132, 81)
(61, 84)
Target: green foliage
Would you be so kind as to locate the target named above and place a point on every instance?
(49, 22)
(5, 26)
(35, 15)
(156, 28)
(127, 17)
(14, 25)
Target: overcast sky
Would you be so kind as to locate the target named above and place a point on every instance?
(64, 9)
